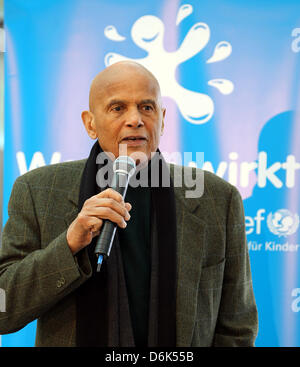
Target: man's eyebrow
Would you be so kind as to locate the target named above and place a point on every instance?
(115, 101)
(146, 101)
(122, 101)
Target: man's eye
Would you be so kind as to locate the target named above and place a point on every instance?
(147, 108)
(117, 108)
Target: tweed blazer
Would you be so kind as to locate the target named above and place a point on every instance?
(215, 303)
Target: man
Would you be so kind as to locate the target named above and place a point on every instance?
(178, 273)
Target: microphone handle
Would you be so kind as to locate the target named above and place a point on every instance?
(108, 231)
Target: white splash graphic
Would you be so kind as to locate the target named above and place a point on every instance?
(183, 12)
(111, 33)
(223, 85)
(148, 33)
(221, 52)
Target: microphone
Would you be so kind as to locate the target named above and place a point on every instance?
(123, 167)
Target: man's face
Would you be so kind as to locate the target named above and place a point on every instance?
(127, 110)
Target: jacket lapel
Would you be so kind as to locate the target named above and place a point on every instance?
(190, 245)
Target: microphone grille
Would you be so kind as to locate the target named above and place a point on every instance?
(124, 164)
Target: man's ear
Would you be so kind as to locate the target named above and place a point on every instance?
(89, 123)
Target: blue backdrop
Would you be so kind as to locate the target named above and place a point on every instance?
(229, 72)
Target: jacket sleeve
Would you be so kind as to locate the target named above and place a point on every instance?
(32, 278)
(237, 322)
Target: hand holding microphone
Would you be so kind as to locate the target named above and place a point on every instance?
(105, 207)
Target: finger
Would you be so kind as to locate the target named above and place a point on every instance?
(91, 223)
(104, 212)
(109, 203)
(111, 193)
(95, 234)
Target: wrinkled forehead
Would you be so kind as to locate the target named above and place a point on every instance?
(126, 81)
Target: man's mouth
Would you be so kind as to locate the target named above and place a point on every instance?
(134, 140)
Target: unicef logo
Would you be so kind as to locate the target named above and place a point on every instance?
(148, 34)
(283, 222)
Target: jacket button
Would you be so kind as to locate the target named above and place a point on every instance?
(60, 282)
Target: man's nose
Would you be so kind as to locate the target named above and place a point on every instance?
(134, 118)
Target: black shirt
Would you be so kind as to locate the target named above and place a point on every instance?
(135, 244)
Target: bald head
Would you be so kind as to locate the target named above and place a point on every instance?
(125, 110)
(116, 72)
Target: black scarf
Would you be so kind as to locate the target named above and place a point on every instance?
(102, 305)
